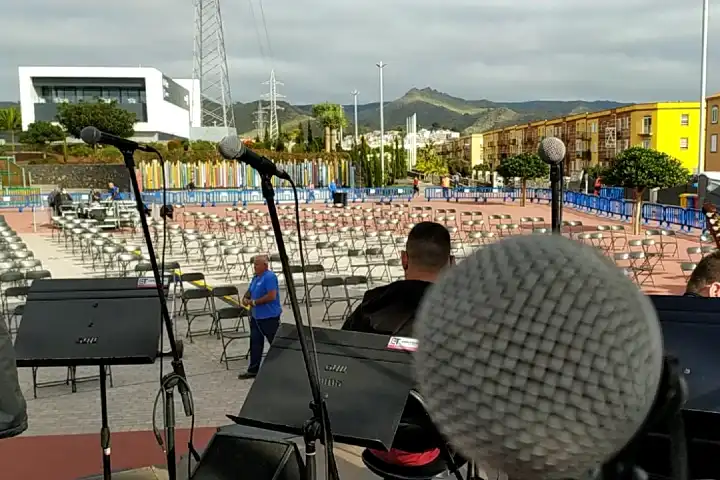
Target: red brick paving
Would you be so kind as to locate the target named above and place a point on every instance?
(69, 457)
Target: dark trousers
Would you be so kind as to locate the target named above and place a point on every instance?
(259, 331)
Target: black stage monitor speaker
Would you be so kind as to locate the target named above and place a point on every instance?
(250, 454)
(691, 333)
(366, 380)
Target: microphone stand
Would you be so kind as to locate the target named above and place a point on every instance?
(556, 200)
(313, 428)
(177, 377)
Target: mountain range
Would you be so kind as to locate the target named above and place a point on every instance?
(434, 109)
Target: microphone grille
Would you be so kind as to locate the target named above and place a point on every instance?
(230, 147)
(538, 357)
(552, 150)
(90, 135)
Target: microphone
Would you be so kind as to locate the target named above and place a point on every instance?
(552, 151)
(93, 136)
(231, 148)
(538, 357)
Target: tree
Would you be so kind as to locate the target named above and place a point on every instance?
(640, 168)
(526, 166)
(42, 134)
(310, 140)
(332, 117)
(105, 116)
(10, 122)
(430, 163)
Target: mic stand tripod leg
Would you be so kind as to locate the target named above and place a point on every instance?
(105, 430)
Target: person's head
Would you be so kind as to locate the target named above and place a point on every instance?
(111, 185)
(261, 263)
(705, 279)
(427, 251)
(63, 191)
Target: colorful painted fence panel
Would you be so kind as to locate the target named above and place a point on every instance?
(230, 174)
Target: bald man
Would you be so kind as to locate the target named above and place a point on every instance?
(263, 298)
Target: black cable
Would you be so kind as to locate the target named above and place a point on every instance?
(331, 470)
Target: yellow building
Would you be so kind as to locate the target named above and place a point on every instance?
(712, 132)
(596, 138)
(468, 147)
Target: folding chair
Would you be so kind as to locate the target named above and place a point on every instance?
(237, 314)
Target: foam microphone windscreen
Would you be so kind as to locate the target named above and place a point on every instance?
(230, 147)
(552, 150)
(538, 357)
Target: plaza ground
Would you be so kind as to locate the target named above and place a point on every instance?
(65, 425)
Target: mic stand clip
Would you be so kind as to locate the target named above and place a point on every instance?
(312, 432)
(177, 377)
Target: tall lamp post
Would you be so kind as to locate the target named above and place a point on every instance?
(380, 66)
(355, 121)
(703, 87)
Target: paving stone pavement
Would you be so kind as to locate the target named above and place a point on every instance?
(216, 391)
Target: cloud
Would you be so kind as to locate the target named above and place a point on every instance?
(625, 50)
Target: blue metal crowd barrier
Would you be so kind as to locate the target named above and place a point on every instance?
(483, 194)
(614, 193)
(654, 214)
(282, 195)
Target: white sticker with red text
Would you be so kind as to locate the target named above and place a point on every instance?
(406, 344)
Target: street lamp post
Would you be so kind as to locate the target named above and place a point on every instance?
(703, 87)
(380, 66)
(355, 95)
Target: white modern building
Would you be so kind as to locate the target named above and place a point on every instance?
(166, 108)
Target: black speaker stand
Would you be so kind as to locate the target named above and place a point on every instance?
(105, 430)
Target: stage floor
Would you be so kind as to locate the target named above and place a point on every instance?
(74, 457)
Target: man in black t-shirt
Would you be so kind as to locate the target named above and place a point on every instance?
(390, 310)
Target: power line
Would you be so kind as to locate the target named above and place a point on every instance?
(258, 37)
(267, 36)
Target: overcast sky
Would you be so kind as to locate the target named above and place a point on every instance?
(503, 50)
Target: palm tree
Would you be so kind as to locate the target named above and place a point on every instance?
(332, 117)
(10, 122)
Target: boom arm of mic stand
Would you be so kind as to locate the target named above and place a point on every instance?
(318, 403)
(177, 364)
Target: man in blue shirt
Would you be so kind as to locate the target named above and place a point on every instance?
(113, 191)
(263, 298)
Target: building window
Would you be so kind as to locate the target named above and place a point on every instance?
(684, 143)
(647, 125)
(684, 119)
(593, 127)
(714, 114)
(646, 144)
(713, 143)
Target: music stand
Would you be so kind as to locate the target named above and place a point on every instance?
(65, 325)
(358, 372)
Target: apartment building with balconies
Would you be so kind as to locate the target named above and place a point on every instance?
(596, 138)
